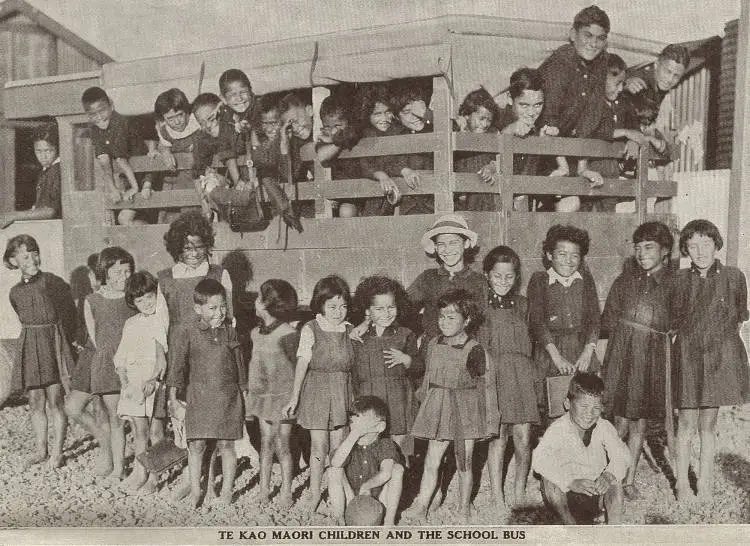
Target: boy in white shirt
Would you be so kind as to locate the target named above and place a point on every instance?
(581, 458)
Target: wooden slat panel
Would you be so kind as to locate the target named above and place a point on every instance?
(160, 199)
(30, 101)
(566, 185)
(578, 147)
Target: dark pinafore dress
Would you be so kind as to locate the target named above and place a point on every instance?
(373, 377)
(43, 357)
(327, 393)
(109, 319)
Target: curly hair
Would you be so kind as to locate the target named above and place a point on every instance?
(572, 234)
(187, 224)
(279, 298)
(377, 285)
(327, 288)
(466, 304)
(14, 246)
(699, 227)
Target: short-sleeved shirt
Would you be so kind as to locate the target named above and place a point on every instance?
(571, 87)
(364, 462)
(114, 140)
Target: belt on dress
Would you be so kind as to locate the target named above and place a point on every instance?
(459, 447)
(668, 411)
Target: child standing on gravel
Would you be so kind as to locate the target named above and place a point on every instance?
(206, 362)
(45, 308)
(710, 364)
(270, 381)
(322, 390)
(140, 362)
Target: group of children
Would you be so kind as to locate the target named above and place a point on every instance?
(459, 357)
(581, 91)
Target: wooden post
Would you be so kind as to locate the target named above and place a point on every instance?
(442, 109)
(640, 186)
(323, 207)
(505, 165)
(8, 169)
(738, 230)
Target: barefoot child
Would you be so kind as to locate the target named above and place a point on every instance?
(45, 308)
(189, 241)
(366, 463)
(322, 390)
(636, 319)
(564, 306)
(386, 358)
(454, 407)
(105, 312)
(206, 361)
(140, 362)
(710, 362)
(505, 335)
(270, 381)
(581, 459)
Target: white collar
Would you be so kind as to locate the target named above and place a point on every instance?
(191, 127)
(554, 276)
(55, 162)
(181, 271)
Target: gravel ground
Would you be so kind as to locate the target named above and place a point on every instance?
(73, 496)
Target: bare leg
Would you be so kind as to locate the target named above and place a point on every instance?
(267, 437)
(37, 405)
(707, 432)
(284, 454)
(318, 451)
(686, 426)
(635, 444)
(399, 439)
(336, 493)
(466, 483)
(196, 451)
(156, 434)
(555, 497)
(75, 407)
(495, 459)
(522, 447)
(391, 494)
(116, 435)
(228, 469)
(613, 500)
(139, 476)
(212, 467)
(56, 397)
(435, 451)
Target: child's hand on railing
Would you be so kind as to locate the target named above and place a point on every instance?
(114, 195)
(563, 169)
(520, 128)
(129, 194)
(463, 123)
(168, 158)
(490, 173)
(596, 180)
(635, 85)
(549, 130)
(631, 149)
(146, 192)
(410, 177)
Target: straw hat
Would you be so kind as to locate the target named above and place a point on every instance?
(449, 223)
(364, 510)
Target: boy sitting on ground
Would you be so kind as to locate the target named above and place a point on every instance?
(366, 464)
(581, 458)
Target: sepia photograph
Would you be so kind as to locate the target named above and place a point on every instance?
(364, 272)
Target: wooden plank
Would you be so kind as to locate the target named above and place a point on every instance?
(738, 237)
(442, 104)
(30, 101)
(159, 200)
(569, 185)
(8, 154)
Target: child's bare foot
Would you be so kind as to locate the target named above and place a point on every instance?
(264, 497)
(181, 491)
(437, 501)
(103, 466)
(466, 513)
(117, 474)
(685, 493)
(285, 500)
(36, 458)
(416, 512)
(135, 481)
(225, 499)
(55, 461)
(705, 491)
(195, 500)
(313, 503)
(148, 488)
